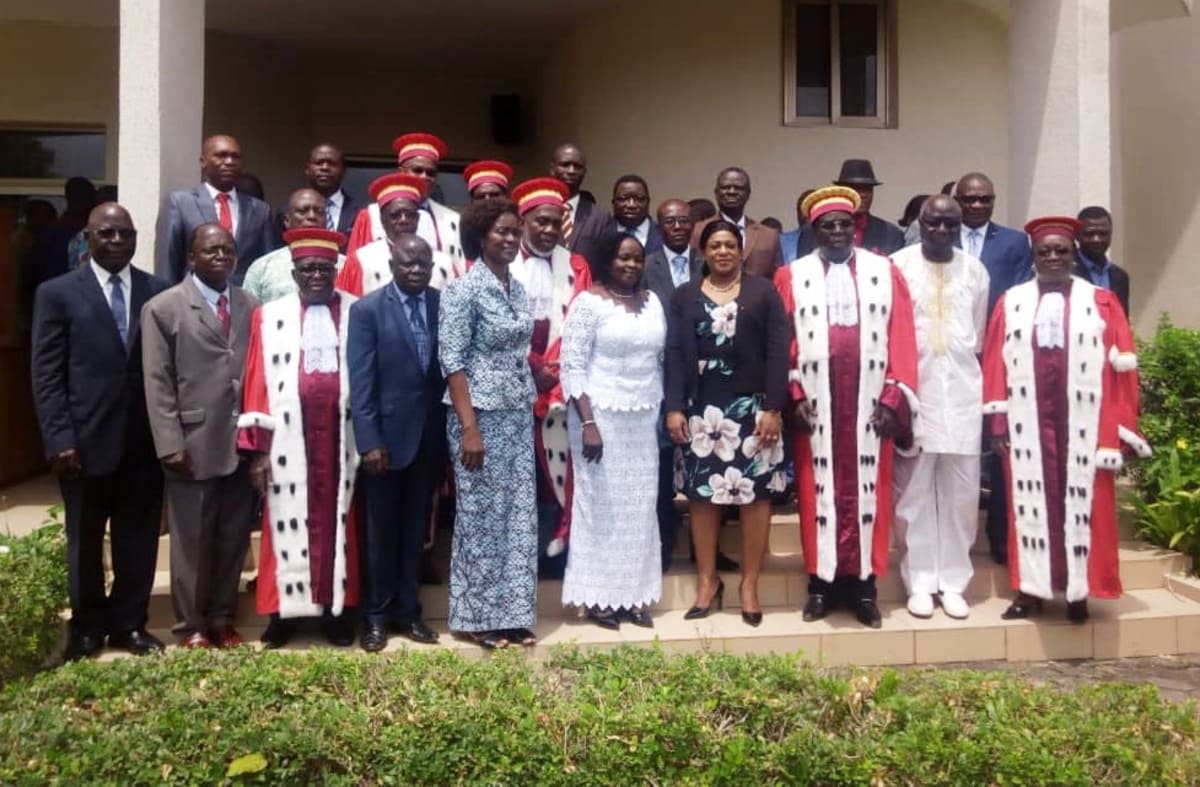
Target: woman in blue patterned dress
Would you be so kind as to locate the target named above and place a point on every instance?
(726, 385)
(484, 330)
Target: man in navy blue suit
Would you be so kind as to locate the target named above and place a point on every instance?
(1006, 254)
(396, 389)
(630, 215)
(91, 406)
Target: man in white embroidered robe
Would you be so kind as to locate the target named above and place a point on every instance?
(937, 491)
(854, 377)
(295, 424)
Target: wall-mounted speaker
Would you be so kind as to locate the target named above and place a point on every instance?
(508, 119)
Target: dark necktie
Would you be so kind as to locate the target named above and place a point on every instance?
(117, 302)
(420, 335)
(223, 313)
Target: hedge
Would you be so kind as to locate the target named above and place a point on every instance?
(623, 717)
(33, 593)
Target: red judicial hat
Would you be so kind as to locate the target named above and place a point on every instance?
(398, 185)
(829, 199)
(1053, 225)
(538, 192)
(482, 172)
(420, 144)
(319, 242)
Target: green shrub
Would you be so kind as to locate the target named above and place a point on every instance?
(630, 716)
(33, 594)
(1167, 505)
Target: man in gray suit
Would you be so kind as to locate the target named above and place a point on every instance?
(215, 201)
(194, 344)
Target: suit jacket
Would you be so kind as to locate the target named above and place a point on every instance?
(87, 387)
(599, 224)
(657, 274)
(396, 404)
(1008, 258)
(760, 353)
(587, 207)
(187, 209)
(193, 376)
(881, 237)
(350, 208)
(1118, 280)
(789, 244)
(761, 252)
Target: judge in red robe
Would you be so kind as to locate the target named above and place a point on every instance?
(552, 277)
(295, 424)
(853, 378)
(1060, 386)
(487, 180)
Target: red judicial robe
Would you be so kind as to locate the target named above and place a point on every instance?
(1066, 410)
(309, 558)
(843, 470)
(438, 226)
(369, 267)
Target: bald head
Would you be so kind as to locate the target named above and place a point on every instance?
(111, 238)
(675, 222)
(569, 165)
(306, 208)
(212, 255)
(411, 263)
(221, 161)
(977, 197)
(940, 220)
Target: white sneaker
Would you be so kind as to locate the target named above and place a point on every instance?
(955, 606)
(920, 605)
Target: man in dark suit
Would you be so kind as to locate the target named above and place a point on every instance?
(630, 216)
(1091, 258)
(667, 268)
(569, 165)
(396, 389)
(870, 232)
(215, 201)
(194, 340)
(761, 252)
(1006, 254)
(324, 171)
(87, 386)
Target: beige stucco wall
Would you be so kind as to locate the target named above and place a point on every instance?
(1156, 119)
(688, 92)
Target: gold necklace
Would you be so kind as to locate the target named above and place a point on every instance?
(727, 287)
(619, 296)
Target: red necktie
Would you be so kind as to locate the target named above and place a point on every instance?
(568, 224)
(223, 215)
(223, 310)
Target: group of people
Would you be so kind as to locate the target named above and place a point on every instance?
(565, 371)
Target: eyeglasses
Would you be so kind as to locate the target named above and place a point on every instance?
(112, 233)
(675, 221)
(977, 199)
(836, 224)
(316, 269)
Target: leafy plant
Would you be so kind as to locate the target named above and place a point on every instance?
(33, 594)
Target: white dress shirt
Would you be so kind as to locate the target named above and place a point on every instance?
(537, 278)
(213, 191)
(211, 295)
(965, 238)
(741, 224)
(126, 279)
(333, 207)
(641, 231)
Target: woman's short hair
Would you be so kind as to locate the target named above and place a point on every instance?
(719, 225)
(606, 252)
(477, 219)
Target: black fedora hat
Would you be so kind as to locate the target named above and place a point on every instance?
(857, 172)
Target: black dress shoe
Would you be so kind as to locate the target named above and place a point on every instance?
(867, 612)
(816, 607)
(137, 641)
(1022, 607)
(417, 631)
(374, 637)
(606, 619)
(338, 631)
(638, 616)
(1077, 611)
(279, 633)
(83, 645)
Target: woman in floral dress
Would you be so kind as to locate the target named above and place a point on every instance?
(726, 385)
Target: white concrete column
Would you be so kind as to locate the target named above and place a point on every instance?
(161, 93)
(1060, 149)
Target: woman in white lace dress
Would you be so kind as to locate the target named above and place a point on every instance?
(611, 373)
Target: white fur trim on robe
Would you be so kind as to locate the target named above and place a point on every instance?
(445, 242)
(287, 500)
(375, 260)
(873, 277)
(1085, 368)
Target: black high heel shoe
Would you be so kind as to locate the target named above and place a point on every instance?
(752, 618)
(695, 613)
(1022, 607)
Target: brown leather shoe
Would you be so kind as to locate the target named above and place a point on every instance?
(196, 640)
(227, 637)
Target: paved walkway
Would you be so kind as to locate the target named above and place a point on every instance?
(1177, 677)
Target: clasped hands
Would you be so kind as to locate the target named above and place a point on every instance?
(767, 430)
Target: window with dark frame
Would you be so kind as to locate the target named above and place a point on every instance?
(838, 57)
(34, 153)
